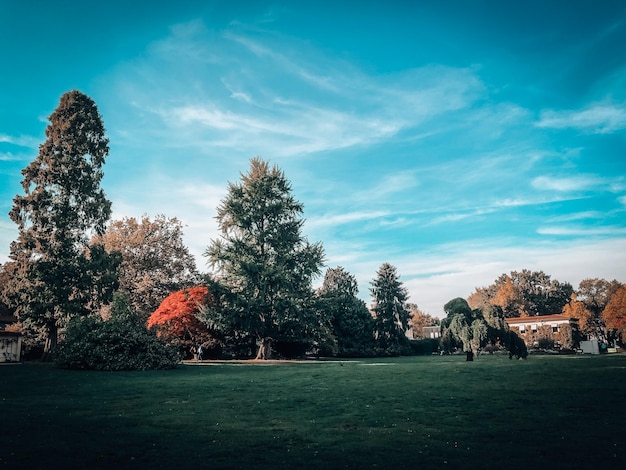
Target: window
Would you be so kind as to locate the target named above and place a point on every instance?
(533, 327)
(555, 328)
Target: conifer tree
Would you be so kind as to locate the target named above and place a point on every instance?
(390, 312)
(352, 324)
(265, 262)
(54, 274)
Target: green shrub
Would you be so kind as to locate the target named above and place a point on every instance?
(121, 343)
(424, 346)
(545, 343)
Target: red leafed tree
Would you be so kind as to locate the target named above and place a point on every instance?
(176, 321)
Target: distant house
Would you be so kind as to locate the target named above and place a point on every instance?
(10, 346)
(10, 341)
(433, 332)
(560, 329)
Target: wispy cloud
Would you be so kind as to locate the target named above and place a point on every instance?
(333, 220)
(283, 100)
(20, 140)
(569, 231)
(10, 157)
(460, 215)
(597, 118)
(587, 215)
(573, 183)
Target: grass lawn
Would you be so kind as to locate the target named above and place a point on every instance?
(417, 412)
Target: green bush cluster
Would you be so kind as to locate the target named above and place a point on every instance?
(424, 346)
(120, 343)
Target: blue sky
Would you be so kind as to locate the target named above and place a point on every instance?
(457, 140)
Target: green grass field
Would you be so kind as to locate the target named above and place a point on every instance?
(417, 412)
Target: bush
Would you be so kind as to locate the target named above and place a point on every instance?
(424, 346)
(121, 343)
(545, 343)
(290, 349)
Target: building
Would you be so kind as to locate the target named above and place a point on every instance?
(433, 332)
(10, 341)
(10, 346)
(540, 331)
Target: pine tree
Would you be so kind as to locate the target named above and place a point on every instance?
(390, 312)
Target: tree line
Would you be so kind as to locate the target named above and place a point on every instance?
(132, 286)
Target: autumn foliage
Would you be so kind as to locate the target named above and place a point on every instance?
(615, 312)
(176, 321)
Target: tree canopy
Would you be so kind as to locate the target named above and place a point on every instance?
(524, 293)
(155, 261)
(265, 261)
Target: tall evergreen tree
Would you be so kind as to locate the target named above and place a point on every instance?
(265, 261)
(390, 312)
(54, 274)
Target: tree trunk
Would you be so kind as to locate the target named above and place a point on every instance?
(51, 342)
(264, 349)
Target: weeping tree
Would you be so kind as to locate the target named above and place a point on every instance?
(54, 274)
(472, 330)
(265, 262)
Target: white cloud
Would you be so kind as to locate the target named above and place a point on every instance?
(581, 231)
(596, 119)
(460, 215)
(586, 215)
(332, 220)
(20, 140)
(9, 157)
(574, 183)
(270, 96)
(450, 271)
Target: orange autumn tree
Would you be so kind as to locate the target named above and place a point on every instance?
(175, 320)
(577, 309)
(614, 313)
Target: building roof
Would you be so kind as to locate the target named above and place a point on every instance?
(558, 317)
(10, 333)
